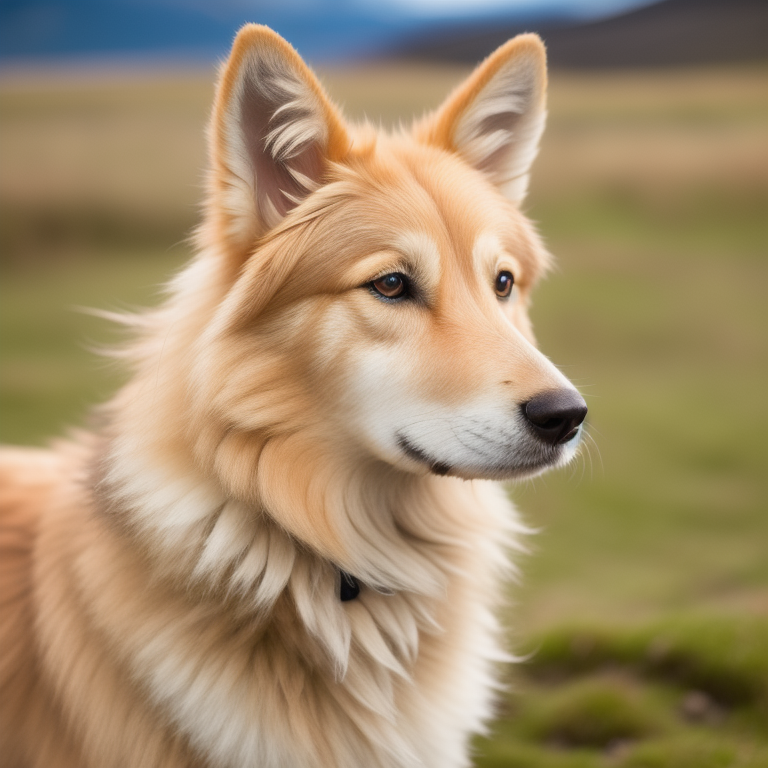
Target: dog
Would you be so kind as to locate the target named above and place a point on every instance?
(284, 544)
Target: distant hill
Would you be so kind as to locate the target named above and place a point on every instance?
(671, 32)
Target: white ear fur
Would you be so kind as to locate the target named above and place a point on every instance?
(496, 118)
(273, 131)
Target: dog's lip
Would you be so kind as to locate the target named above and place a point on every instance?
(410, 450)
(495, 471)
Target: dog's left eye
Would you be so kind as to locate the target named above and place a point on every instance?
(504, 282)
(393, 286)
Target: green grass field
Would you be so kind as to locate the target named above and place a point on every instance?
(643, 609)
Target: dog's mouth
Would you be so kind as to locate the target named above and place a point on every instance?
(522, 463)
(410, 450)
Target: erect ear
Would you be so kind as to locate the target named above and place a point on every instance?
(272, 134)
(495, 118)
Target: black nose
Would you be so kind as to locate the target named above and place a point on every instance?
(555, 415)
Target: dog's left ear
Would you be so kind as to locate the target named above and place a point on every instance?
(494, 120)
(272, 134)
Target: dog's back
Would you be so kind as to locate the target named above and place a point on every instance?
(58, 687)
(28, 483)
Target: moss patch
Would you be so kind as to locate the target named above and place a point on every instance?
(685, 693)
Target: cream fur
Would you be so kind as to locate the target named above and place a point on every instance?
(170, 584)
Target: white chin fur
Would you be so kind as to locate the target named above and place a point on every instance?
(524, 458)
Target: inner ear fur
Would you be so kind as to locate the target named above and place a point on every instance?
(495, 118)
(272, 133)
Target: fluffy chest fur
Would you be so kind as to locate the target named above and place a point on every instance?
(232, 648)
(390, 678)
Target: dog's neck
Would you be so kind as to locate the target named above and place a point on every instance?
(193, 535)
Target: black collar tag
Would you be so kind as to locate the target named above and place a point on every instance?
(349, 588)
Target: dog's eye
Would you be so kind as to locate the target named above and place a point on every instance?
(393, 286)
(504, 282)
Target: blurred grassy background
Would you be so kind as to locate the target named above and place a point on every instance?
(645, 597)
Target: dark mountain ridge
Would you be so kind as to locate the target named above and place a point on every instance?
(667, 33)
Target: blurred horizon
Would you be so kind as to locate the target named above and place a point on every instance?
(591, 33)
(54, 30)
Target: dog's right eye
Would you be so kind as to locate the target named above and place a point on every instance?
(393, 286)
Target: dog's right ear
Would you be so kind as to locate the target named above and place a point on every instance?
(272, 133)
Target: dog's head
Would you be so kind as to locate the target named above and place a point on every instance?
(377, 285)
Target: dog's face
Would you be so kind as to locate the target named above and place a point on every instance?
(381, 283)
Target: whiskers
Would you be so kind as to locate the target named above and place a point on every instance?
(584, 457)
